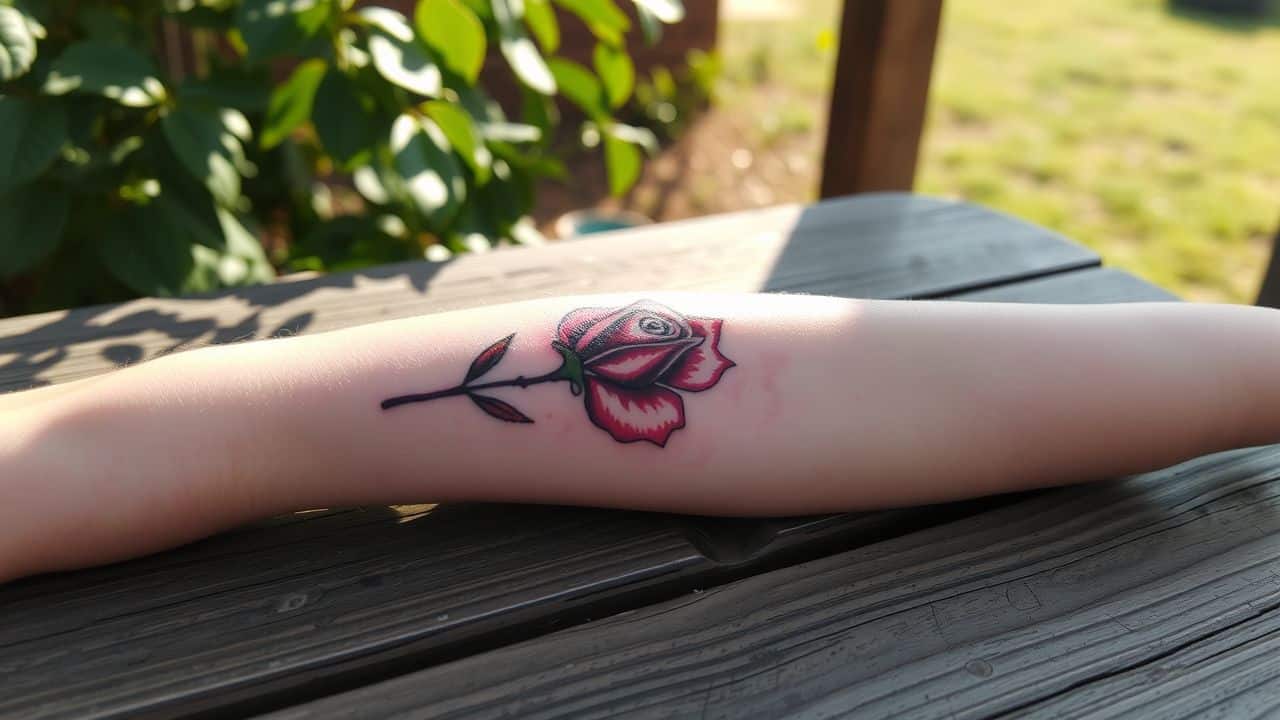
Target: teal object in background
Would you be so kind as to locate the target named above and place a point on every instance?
(589, 222)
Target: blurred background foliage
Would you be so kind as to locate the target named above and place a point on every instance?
(162, 148)
(1147, 131)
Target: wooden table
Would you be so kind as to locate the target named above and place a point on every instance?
(1154, 595)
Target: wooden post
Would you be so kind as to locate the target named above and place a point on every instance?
(879, 95)
(1269, 293)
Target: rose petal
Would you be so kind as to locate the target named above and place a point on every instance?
(650, 414)
(701, 367)
(638, 365)
(621, 328)
(577, 322)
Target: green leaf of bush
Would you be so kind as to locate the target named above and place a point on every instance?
(641, 136)
(398, 56)
(17, 44)
(668, 11)
(521, 54)
(343, 120)
(243, 262)
(616, 73)
(432, 178)
(277, 27)
(457, 127)
(226, 88)
(207, 145)
(455, 33)
(290, 103)
(603, 17)
(149, 249)
(581, 87)
(650, 25)
(622, 162)
(115, 71)
(31, 134)
(542, 22)
(31, 222)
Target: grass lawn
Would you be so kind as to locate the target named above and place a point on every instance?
(1149, 135)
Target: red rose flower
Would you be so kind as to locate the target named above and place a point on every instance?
(630, 363)
(635, 358)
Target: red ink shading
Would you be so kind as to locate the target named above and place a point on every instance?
(629, 362)
(487, 358)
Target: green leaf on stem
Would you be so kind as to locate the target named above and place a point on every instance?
(454, 32)
(668, 11)
(36, 13)
(107, 22)
(115, 71)
(510, 132)
(277, 27)
(388, 21)
(226, 88)
(581, 87)
(17, 44)
(622, 156)
(541, 19)
(521, 54)
(603, 17)
(243, 260)
(343, 118)
(146, 248)
(208, 144)
(290, 104)
(432, 179)
(643, 137)
(458, 128)
(31, 222)
(397, 54)
(31, 134)
(622, 162)
(650, 25)
(616, 73)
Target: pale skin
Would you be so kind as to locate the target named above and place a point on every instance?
(831, 405)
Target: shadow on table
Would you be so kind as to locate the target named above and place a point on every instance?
(1242, 16)
(26, 355)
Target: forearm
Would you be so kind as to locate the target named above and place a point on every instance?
(828, 404)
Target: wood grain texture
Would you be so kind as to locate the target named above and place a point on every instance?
(971, 619)
(872, 246)
(304, 606)
(879, 95)
(308, 605)
(1234, 673)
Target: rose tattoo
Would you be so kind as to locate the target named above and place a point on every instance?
(628, 362)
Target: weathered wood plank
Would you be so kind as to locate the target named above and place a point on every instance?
(873, 246)
(1231, 674)
(1098, 285)
(966, 620)
(879, 95)
(311, 604)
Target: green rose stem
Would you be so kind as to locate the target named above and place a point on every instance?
(570, 370)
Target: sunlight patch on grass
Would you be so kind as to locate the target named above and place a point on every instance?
(1150, 136)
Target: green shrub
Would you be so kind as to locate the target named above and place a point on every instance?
(121, 177)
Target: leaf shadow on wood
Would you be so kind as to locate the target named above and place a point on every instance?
(34, 354)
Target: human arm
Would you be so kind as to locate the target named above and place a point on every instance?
(829, 404)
